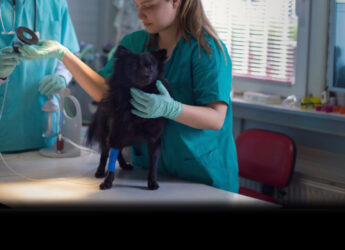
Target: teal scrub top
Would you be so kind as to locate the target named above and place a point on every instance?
(196, 78)
(22, 118)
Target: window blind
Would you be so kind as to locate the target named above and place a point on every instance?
(261, 36)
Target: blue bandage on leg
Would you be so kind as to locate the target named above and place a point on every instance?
(114, 153)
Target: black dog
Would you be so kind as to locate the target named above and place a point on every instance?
(114, 126)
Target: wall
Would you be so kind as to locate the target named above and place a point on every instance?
(91, 20)
(104, 21)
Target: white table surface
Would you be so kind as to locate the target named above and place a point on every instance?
(40, 182)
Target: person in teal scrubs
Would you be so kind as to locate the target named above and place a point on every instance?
(25, 85)
(198, 143)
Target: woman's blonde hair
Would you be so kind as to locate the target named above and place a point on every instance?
(193, 20)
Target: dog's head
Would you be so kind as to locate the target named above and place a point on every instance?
(139, 69)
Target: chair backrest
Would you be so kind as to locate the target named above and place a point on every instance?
(265, 156)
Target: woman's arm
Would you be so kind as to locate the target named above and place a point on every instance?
(211, 116)
(93, 83)
(145, 105)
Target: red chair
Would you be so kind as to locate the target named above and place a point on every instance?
(266, 157)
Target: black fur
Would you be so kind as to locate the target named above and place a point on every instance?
(115, 126)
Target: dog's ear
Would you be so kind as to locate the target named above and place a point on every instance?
(121, 51)
(161, 54)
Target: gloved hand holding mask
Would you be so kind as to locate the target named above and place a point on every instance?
(51, 84)
(8, 61)
(43, 50)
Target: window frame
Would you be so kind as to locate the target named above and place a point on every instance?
(330, 65)
(331, 47)
(299, 88)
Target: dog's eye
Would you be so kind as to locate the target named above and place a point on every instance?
(149, 65)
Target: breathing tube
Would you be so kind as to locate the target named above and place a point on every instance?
(4, 99)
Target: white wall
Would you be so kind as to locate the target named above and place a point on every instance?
(93, 20)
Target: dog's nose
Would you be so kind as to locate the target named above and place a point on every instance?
(146, 74)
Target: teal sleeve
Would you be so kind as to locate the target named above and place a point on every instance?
(135, 42)
(212, 75)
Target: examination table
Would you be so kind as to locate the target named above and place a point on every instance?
(38, 182)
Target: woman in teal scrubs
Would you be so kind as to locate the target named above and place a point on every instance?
(197, 144)
(25, 85)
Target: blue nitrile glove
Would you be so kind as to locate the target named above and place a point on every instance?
(8, 61)
(155, 105)
(43, 50)
(51, 84)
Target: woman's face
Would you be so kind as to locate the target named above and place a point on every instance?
(157, 15)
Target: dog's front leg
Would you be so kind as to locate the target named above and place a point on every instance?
(154, 150)
(100, 173)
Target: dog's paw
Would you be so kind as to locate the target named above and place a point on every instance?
(152, 185)
(108, 181)
(100, 173)
(105, 186)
